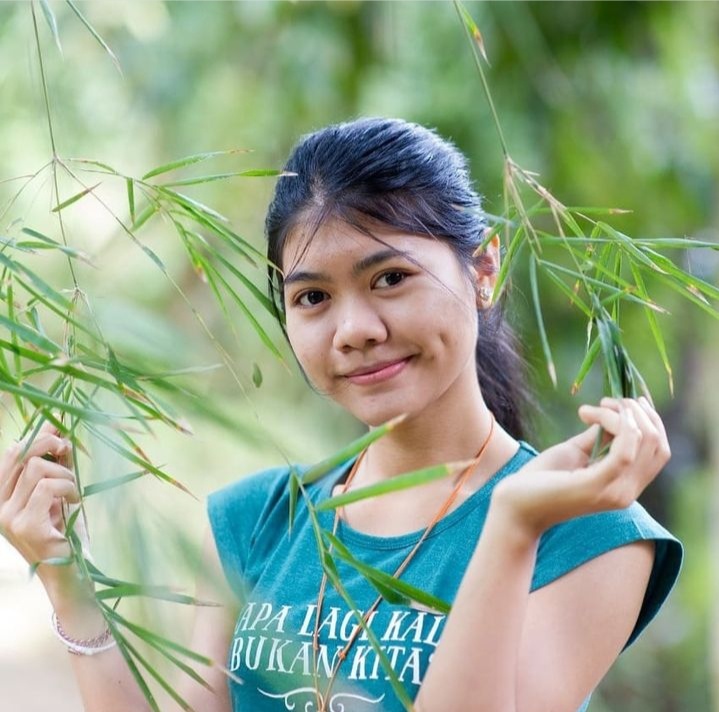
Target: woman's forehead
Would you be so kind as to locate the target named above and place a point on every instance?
(335, 238)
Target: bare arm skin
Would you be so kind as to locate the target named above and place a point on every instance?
(504, 650)
(31, 495)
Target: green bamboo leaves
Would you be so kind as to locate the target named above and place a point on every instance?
(594, 265)
(57, 363)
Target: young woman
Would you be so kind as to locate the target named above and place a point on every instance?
(551, 566)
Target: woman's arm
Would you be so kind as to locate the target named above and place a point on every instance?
(31, 494)
(504, 650)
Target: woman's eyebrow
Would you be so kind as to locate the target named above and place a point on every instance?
(360, 266)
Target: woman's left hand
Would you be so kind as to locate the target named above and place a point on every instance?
(561, 483)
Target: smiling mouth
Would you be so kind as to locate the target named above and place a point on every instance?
(378, 373)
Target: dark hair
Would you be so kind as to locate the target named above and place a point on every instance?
(405, 176)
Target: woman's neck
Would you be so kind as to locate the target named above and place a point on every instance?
(434, 438)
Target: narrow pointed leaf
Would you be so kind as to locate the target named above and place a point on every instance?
(130, 185)
(30, 336)
(96, 487)
(354, 448)
(74, 198)
(395, 484)
(150, 637)
(51, 22)
(157, 592)
(95, 34)
(188, 161)
(654, 327)
(540, 320)
(294, 486)
(589, 358)
(147, 212)
(404, 589)
(254, 173)
(264, 336)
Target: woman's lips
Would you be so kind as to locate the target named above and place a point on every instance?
(378, 373)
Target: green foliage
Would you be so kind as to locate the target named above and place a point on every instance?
(599, 273)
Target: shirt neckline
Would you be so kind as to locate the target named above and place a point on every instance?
(370, 541)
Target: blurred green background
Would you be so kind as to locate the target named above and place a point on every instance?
(615, 104)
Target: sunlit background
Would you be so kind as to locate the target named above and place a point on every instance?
(614, 104)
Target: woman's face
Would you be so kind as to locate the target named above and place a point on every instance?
(383, 326)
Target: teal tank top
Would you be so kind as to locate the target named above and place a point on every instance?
(276, 576)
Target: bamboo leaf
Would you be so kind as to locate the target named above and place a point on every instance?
(540, 320)
(395, 484)
(149, 637)
(654, 327)
(147, 212)
(254, 173)
(399, 587)
(30, 336)
(51, 22)
(589, 358)
(695, 283)
(53, 561)
(571, 294)
(159, 678)
(658, 242)
(162, 593)
(95, 34)
(612, 368)
(22, 246)
(122, 646)
(260, 296)
(294, 486)
(510, 258)
(686, 292)
(44, 242)
(130, 185)
(391, 675)
(264, 336)
(628, 245)
(138, 459)
(104, 167)
(41, 284)
(112, 483)
(346, 453)
(474, 31)
(189, 160)
(74, 198)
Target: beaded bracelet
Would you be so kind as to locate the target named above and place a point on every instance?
(90, 646)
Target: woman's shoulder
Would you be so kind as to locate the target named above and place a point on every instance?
(257, 486)
(570, 544)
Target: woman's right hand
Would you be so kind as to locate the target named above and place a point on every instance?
(562, 482)
(33, 491)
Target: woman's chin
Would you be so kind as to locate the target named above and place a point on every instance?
(380, 416)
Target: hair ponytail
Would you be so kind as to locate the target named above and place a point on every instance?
(501, 372)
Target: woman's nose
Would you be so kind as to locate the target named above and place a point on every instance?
(358, 325)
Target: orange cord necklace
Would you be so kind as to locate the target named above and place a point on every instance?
(400, 569)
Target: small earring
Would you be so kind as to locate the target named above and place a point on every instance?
(485, 294)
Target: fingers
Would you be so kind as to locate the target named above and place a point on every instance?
(33, 474)
(33, 528)
(638, 451)
(654, 437)
(12, 465)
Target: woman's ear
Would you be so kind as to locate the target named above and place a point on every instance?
(486, 269)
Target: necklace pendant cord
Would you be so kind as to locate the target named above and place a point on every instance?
(342, 654)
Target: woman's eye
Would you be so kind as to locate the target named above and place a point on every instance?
(390, 279)
(311, 298)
